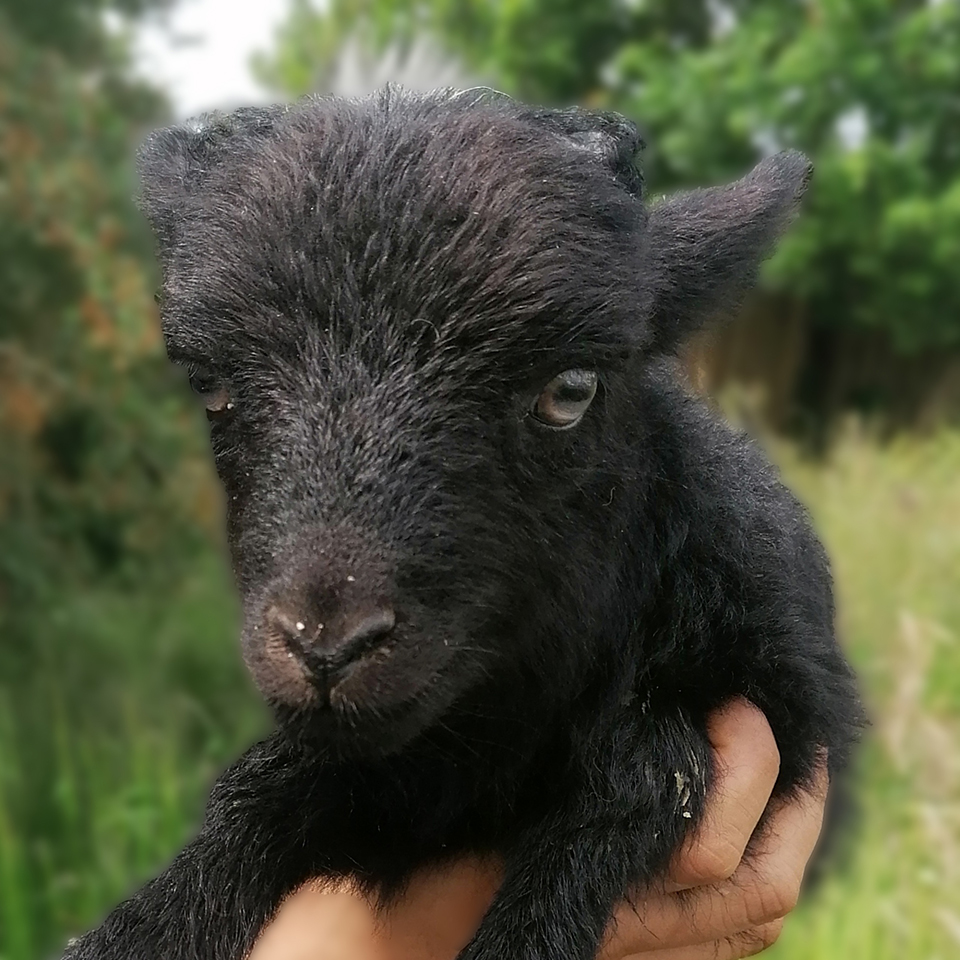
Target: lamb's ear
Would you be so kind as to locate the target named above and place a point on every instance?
(173, 163)
(710, 243)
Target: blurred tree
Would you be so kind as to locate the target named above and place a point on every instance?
(75, 28)
(91, 435)
(104, 484)
(870, 89)
(105, 494)
(87, 435)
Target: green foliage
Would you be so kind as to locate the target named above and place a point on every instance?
(121, 691)
(72, 27)
(890, 517)
(879, 240)
(134, 702)
(868, 88)
(90, 426)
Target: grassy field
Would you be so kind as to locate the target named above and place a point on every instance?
(891, 520)
(111, 734)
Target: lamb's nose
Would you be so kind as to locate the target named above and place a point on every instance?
(327, 648)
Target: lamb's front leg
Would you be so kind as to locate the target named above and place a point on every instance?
(261, 838)
(636, 798)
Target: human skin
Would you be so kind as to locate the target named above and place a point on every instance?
(715, 904)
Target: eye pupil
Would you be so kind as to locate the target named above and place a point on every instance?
(566, 398)
(573, 393)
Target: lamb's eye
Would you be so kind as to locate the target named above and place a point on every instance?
(213, 394)
(565, 398)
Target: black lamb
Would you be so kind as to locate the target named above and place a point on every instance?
(497, 564)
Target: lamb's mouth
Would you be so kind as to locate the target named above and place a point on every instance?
(368, 700)
(344, 685)
(326, 682)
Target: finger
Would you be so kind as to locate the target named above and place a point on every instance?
(746, 944)
(317, 923)
(763, 889)
(440, 910)
(747, 763)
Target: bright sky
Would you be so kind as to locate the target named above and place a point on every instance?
(200, 52)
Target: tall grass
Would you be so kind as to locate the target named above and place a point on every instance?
(108, 746)
(890, 516)
(108, 743)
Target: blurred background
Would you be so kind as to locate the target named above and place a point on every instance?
(121, 687)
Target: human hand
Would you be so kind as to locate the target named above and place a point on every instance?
(714, 904)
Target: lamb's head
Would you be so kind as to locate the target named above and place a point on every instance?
(420, 328)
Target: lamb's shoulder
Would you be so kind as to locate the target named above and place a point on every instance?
(742, 601)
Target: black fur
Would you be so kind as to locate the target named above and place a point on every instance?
(382, 288)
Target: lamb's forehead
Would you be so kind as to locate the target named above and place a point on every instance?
(462, 217)
(341, 178)
(461, 150)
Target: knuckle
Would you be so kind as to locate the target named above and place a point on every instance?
(768, 934)
(774, 899)
(787, 895)
(713, 861)
(756, 940)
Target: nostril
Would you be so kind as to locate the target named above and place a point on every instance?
(365, 631)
